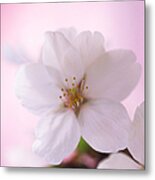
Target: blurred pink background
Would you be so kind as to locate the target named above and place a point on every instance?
(23, 27)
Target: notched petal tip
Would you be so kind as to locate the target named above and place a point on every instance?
(48, 34)
(68, 31)
(52, 34)
(99, 35)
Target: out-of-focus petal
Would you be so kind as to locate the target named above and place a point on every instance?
(69, 33)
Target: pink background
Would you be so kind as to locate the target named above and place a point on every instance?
(23, 27)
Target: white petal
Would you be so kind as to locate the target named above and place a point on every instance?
(136, 137)
(36, 88)
(54, 48)
(118, 161)
(90, 46)
(57, 137)
(59, 53)
(72, 65)
(104, 125)
(113, 76)
(69, 33)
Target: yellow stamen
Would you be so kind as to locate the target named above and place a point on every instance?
(73, 96)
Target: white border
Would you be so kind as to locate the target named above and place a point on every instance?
(76, 174)
(37, 1)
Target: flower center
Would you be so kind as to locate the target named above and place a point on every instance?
(73, 96)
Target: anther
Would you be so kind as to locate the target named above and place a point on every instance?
(64, 94)
(62, 89)
(86, 87)
(66, 80)
(60, 97)
(73, 84)
(74, 78)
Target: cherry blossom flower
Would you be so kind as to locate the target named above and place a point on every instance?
(76, 88)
